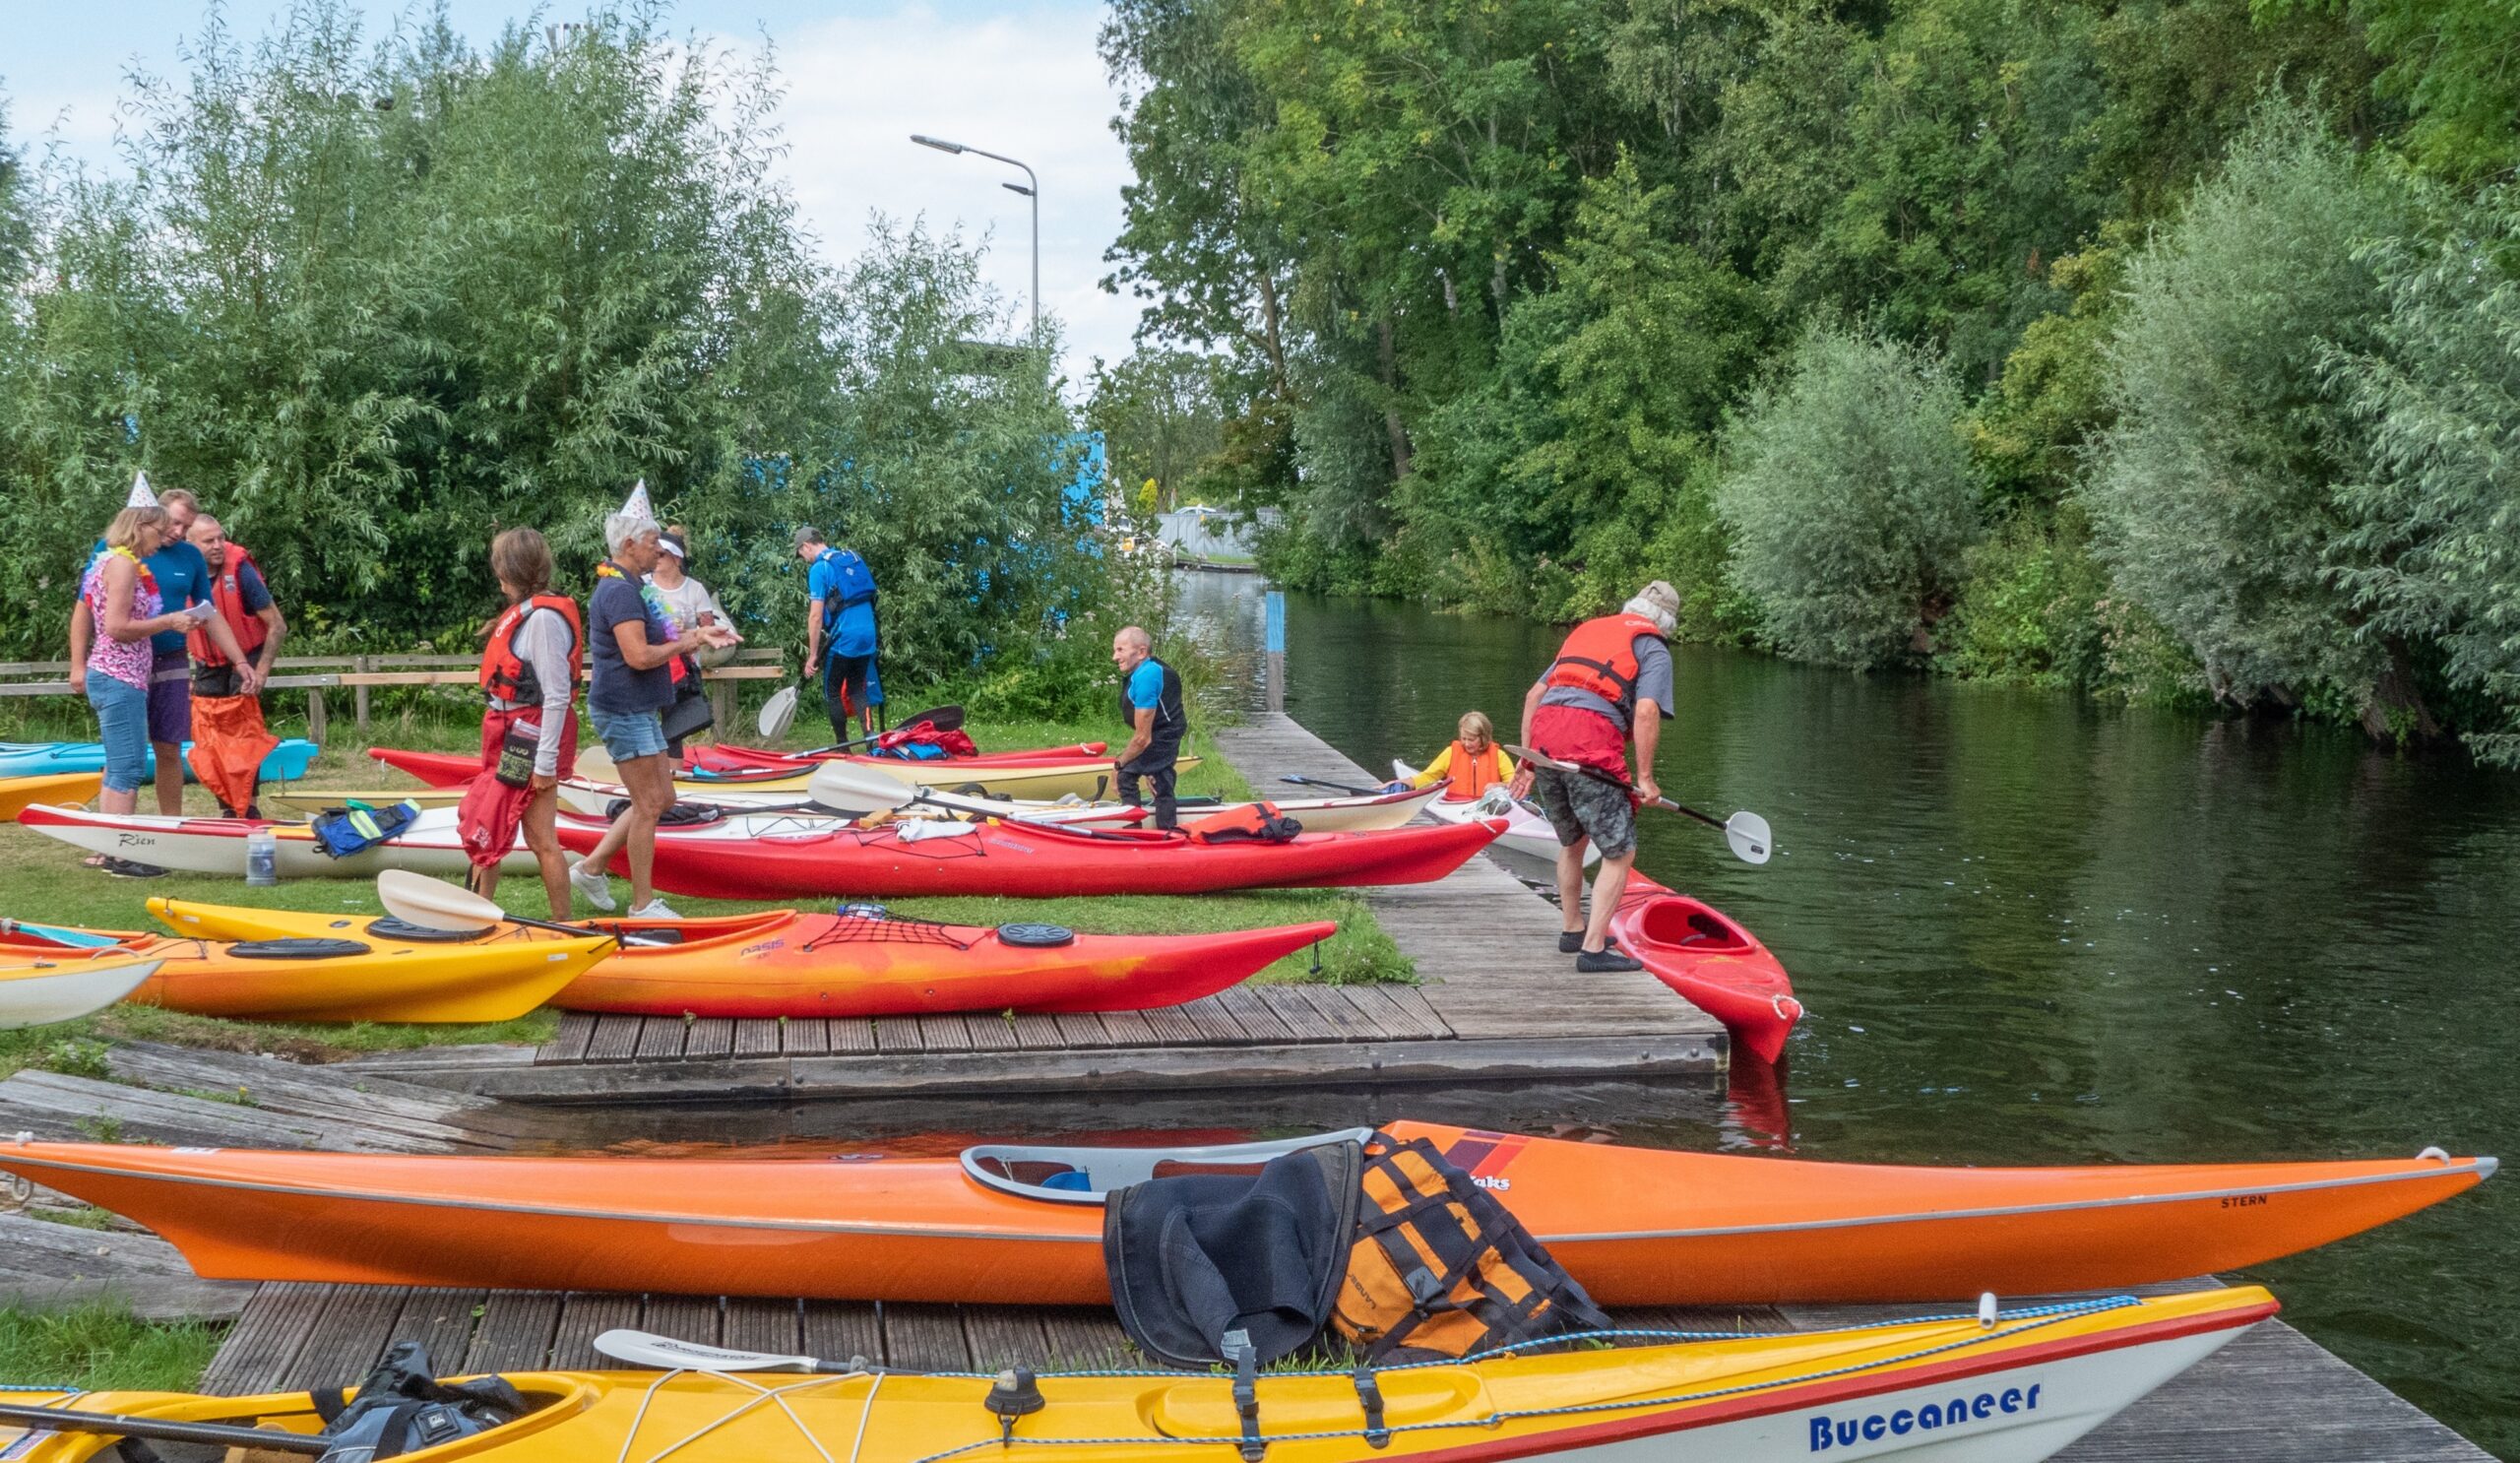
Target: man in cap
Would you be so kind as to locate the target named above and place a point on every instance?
(1610, 683)
(183, 582)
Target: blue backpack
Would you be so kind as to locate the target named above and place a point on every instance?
(856, 583)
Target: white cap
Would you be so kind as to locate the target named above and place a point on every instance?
(637, 507)
(141, 496)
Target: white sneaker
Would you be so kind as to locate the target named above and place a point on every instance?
(595, 886)
(654, 909)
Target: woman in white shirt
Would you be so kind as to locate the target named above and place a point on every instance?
(686, 599)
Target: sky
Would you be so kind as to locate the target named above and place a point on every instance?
(1021, 79)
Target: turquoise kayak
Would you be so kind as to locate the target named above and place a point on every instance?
(288, 761)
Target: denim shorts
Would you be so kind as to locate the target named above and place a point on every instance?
(122, 725)
(629, 734)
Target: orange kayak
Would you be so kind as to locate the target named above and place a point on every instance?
(784, 963)
(1637, 1227)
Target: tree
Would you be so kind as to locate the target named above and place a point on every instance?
(2216, 493)
(1851, 498)
(1160, 418)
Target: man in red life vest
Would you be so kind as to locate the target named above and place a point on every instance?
(1610, 683)
(229, 740)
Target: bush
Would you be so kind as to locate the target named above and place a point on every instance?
(1851, 499)
(2028, 607)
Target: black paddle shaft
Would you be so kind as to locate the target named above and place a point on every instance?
(1620, 783)
(163, 1429)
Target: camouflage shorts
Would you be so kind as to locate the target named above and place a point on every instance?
(1581, 808)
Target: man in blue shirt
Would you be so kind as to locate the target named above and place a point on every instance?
(1152, 705)
(183, 581)
(843, 591)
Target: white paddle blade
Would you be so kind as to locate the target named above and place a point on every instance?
(854, 784)
(433, 904)
(669, 1353)
(1747, 833)
(778, 713)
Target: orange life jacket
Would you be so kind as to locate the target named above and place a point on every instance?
(229, 601)
(1259, 822)
(1467, 776)
(505, 674)
(1599, 657)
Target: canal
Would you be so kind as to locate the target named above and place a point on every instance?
(2034, 930)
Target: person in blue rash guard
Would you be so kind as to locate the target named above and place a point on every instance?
(1152, 705)
(840, 621)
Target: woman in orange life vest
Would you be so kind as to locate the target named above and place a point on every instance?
(1611, 682)
(530, 673)
(1468, 768)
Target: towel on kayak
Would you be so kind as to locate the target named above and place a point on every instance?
(229, 744)
(1192, 1256)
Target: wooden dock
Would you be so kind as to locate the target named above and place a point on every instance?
(1496, 1003)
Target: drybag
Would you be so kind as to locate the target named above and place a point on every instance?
(1253, 822)
(923, 743)
(1440, 1269)
(341, 832)
(403, 1408)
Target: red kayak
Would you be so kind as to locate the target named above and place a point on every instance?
(722, 757)
(454, 769)
(1035, 862)
(1717, 966)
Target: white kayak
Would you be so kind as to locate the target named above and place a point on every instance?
(430, 846)
(66, 986)
(1529, 844)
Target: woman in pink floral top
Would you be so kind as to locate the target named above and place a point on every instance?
(123, 596)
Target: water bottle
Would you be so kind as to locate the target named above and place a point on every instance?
(262, 858)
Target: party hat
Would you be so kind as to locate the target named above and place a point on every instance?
(637, 505)
(141, 496)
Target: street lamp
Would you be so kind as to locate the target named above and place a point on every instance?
(1033, 192)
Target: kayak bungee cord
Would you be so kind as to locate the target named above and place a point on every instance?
(2036, 1318)
(763, 1394)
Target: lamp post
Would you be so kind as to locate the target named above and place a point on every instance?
(1033, 192)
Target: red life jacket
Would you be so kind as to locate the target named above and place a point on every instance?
(506, 676)
(1467, 776)
(1599, 657)
(229, 601)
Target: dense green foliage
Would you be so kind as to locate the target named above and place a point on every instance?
(373, 304)
(2191, 306)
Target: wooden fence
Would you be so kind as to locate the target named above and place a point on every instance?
(359, 674)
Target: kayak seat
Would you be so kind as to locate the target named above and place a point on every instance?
(387, 928)
(298, 949)
(1037, 1173)
(1680, 926)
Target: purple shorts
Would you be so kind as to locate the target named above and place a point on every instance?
(171, 699)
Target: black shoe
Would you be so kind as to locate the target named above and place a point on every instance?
(1592, 964)
(1571, 942)
(124, 869)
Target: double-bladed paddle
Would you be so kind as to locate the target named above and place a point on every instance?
(435, 903)
(858, 784)
(1747, 833)
(672, 1354)
(1349, 788)
(163, 1429)
(942, 719)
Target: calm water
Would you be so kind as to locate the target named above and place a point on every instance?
(2031, 931)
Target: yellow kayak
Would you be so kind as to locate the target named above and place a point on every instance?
(18, 793)
(296, 967)
(2019, 1386)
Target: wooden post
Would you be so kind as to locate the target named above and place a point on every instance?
(315, 715)
(358, 693)
(1276, 616)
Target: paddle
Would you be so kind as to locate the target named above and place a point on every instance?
(776, 713)
(165, 1430)
(876, 790)
(1348, 788)
(942, 719)
(1747, 833)
(671, 1354)
(433, 904)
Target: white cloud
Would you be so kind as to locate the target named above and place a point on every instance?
(1026, 84)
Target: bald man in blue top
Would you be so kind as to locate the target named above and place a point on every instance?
(1152, 705)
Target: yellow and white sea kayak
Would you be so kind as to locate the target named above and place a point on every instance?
(38, 990)
(2017, 1386)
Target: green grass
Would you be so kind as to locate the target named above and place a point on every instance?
(85, 1217)
(99, 1347)
(41, 879)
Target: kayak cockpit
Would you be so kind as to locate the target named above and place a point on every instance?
(1085, 1176)
(1682, 923)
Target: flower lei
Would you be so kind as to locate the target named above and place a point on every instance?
(148, 580)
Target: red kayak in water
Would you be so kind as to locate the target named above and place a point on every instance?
(1036, 862)
(1714, 964)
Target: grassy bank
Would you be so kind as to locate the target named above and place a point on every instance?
(41, 879)
(99, 1347)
